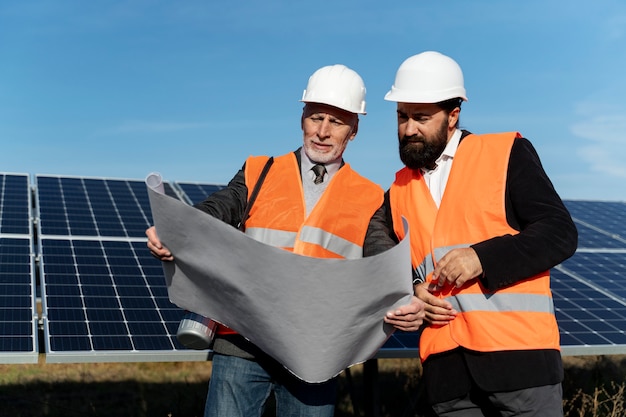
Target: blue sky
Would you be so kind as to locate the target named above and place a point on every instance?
(191, 88)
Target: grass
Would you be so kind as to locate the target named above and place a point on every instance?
(594, 387)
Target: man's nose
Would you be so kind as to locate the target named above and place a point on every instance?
(324, 129)
(411, 128)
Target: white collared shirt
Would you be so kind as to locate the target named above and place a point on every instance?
(436, 179)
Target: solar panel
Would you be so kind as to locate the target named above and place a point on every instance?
(107, 301)
(607, 215)
(589, 294)
(15, 218)
(400, 345)
(591, 319)
(600, 224)
(197, 192)
(104, 295)
(591, 237)
(93, 207)
(18, 313)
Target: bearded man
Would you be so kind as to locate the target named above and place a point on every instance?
(486, 227)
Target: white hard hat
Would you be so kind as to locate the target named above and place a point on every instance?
(338, 86)
(429, 77)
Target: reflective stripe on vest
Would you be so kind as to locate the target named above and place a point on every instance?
(282, 239)
(335, 244)
(502, 302)
(273, 237)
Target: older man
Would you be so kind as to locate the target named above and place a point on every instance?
(312, 203)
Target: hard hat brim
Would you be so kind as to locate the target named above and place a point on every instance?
(412, 97)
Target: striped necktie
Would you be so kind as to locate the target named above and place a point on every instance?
(319, 171)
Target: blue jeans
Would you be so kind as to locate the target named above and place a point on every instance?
(241, 387)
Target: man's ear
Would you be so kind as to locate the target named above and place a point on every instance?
(453, 117)
(355, 129)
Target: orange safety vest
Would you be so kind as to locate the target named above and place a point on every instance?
(336, 226)
(518, 317)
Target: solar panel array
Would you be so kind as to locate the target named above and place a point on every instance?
(78, 246)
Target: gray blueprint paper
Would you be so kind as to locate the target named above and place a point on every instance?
(315, 316)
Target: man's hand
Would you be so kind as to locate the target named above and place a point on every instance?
(438, 312)
(156, 247)
(457, 267)
(407, 318)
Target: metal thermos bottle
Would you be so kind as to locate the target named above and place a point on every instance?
(196, 331)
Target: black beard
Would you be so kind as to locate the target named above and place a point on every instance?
(431, 150)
